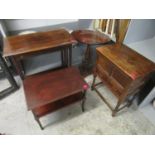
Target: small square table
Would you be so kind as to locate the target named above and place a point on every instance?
(50, 91)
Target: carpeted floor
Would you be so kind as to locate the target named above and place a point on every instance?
(15, 119)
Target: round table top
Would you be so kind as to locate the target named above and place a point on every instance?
(90, 37)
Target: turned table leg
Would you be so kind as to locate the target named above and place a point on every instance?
(87, 58)
(18, 66)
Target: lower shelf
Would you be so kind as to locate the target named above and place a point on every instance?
(43, 110)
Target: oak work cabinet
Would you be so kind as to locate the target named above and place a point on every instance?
(123, 71)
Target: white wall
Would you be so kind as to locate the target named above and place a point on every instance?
(16, 25)
(85, 23)
(22, 24)
(141, 37)
(140, 29)
(3, 28)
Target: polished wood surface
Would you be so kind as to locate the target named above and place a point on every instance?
(50, 91)
(34, 42)
(90, 37)
(129, 61)
(122, 70)
(45, 88)
(22, 46)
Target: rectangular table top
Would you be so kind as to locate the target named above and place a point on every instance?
(28, 43)
(129, 61)
(45, 88)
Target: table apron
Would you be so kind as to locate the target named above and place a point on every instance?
(66, 57)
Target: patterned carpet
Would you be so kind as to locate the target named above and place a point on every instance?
(97, 119)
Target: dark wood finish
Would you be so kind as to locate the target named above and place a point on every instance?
(21, 46)
(46, 92)
(10, 78)
(48, 87)
(18, 66)
(89, 38)
(122, 70)
(34, 42)
(43, 110)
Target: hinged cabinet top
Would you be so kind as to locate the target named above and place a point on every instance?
(128, 60)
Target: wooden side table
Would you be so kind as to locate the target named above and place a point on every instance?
(89, 38)
(123, 71)
(22, 46)
(50, 91)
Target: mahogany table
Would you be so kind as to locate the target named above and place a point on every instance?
(47, 92)
(89, 38)
(20, 46)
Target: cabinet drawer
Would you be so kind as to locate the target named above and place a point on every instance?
(101, 72)
(120, 77)
(105, 64)
(112, 84)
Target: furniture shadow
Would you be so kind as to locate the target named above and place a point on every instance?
(71, 111)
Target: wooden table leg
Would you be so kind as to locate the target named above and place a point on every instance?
(88, 56)
(86, 67)
(18, 67)
(70, 56)
(93, 84)
(116, 108)
(66, 56)
(38, 121)
(119, 103)
(62, 57)
(83, 101)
